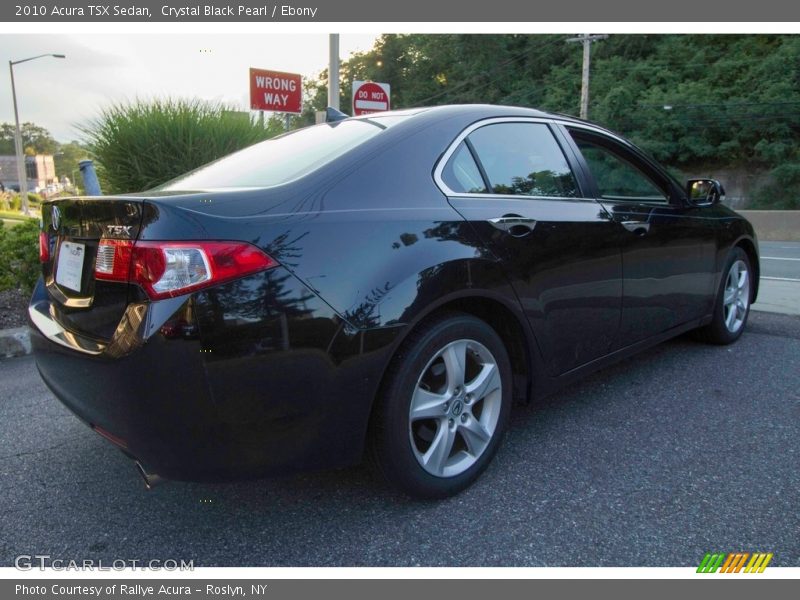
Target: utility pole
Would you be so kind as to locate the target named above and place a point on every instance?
(333, 72)
(586, 39)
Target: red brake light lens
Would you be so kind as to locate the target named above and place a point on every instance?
(169, 269)
(44, 247)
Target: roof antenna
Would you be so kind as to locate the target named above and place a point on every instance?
(332, 115)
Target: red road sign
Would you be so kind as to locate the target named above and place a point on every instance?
(370, 97)
(276, 91)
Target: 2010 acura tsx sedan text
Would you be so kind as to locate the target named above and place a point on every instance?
(389, 283)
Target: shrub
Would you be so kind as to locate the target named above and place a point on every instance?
(15, 201)
(143, 144)
(19, 256)
(782, 192)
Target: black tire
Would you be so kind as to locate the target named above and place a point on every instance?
(421, 371)
(719, 331)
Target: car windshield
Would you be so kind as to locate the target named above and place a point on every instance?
(285, 157)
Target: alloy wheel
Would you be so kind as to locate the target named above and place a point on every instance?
(736, 298)
(455, 408)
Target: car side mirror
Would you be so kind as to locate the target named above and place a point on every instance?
(704, 192)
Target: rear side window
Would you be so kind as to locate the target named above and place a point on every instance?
(461, 174)
(523, 159)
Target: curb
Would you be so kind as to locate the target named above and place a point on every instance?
(15, 342)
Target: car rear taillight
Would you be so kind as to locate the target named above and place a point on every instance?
(168, 269)
(113, 261)
(44, 247)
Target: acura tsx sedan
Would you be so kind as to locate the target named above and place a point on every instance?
(387, 285)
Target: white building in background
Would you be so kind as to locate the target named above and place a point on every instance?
(40, 169)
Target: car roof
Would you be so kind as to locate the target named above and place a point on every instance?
(477, 111)
(470, 113)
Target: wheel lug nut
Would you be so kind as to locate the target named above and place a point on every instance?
(468, 398)
(464, 417)
(451, 422)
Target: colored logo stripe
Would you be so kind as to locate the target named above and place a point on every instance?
(758, 563)
(733, 562)
(710, 563)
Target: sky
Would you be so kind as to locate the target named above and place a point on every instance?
(113, 62)
(60, 95)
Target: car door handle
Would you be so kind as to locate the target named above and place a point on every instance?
(637, 227)
(514, 225)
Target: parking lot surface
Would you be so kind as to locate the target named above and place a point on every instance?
(684, 450)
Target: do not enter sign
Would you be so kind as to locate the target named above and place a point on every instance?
(370, 97)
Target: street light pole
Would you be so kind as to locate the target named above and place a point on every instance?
(22, 172)
(22, 175)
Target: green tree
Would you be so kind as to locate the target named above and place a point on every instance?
(35, 139)
(68, 156)
(693, 101)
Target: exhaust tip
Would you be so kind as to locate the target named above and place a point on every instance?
(151, 480)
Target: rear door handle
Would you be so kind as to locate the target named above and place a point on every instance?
(637, 227)
(514, 225)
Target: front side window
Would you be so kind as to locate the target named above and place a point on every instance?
(616, 177)
(523, 159)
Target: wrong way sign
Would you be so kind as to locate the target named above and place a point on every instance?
(276, 91)
(370, 97)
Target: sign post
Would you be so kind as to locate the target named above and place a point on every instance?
(370, 97)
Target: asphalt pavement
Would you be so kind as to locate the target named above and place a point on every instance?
(683, 450)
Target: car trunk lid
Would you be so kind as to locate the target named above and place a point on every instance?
(72, 229)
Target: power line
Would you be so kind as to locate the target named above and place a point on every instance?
(491, 71)
(716, 104)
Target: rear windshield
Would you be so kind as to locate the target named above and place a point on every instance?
(283, 158)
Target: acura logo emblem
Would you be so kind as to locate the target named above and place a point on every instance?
(56, 218)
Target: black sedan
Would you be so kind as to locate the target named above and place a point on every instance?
(386, 285)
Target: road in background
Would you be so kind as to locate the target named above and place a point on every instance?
(683, 450)
(780, 278)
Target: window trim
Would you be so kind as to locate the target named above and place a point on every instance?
(477, 160)
(445, 158)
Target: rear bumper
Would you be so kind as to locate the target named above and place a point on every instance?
(237, 398)
(155, 401)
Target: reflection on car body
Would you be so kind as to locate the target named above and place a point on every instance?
(386, 284)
